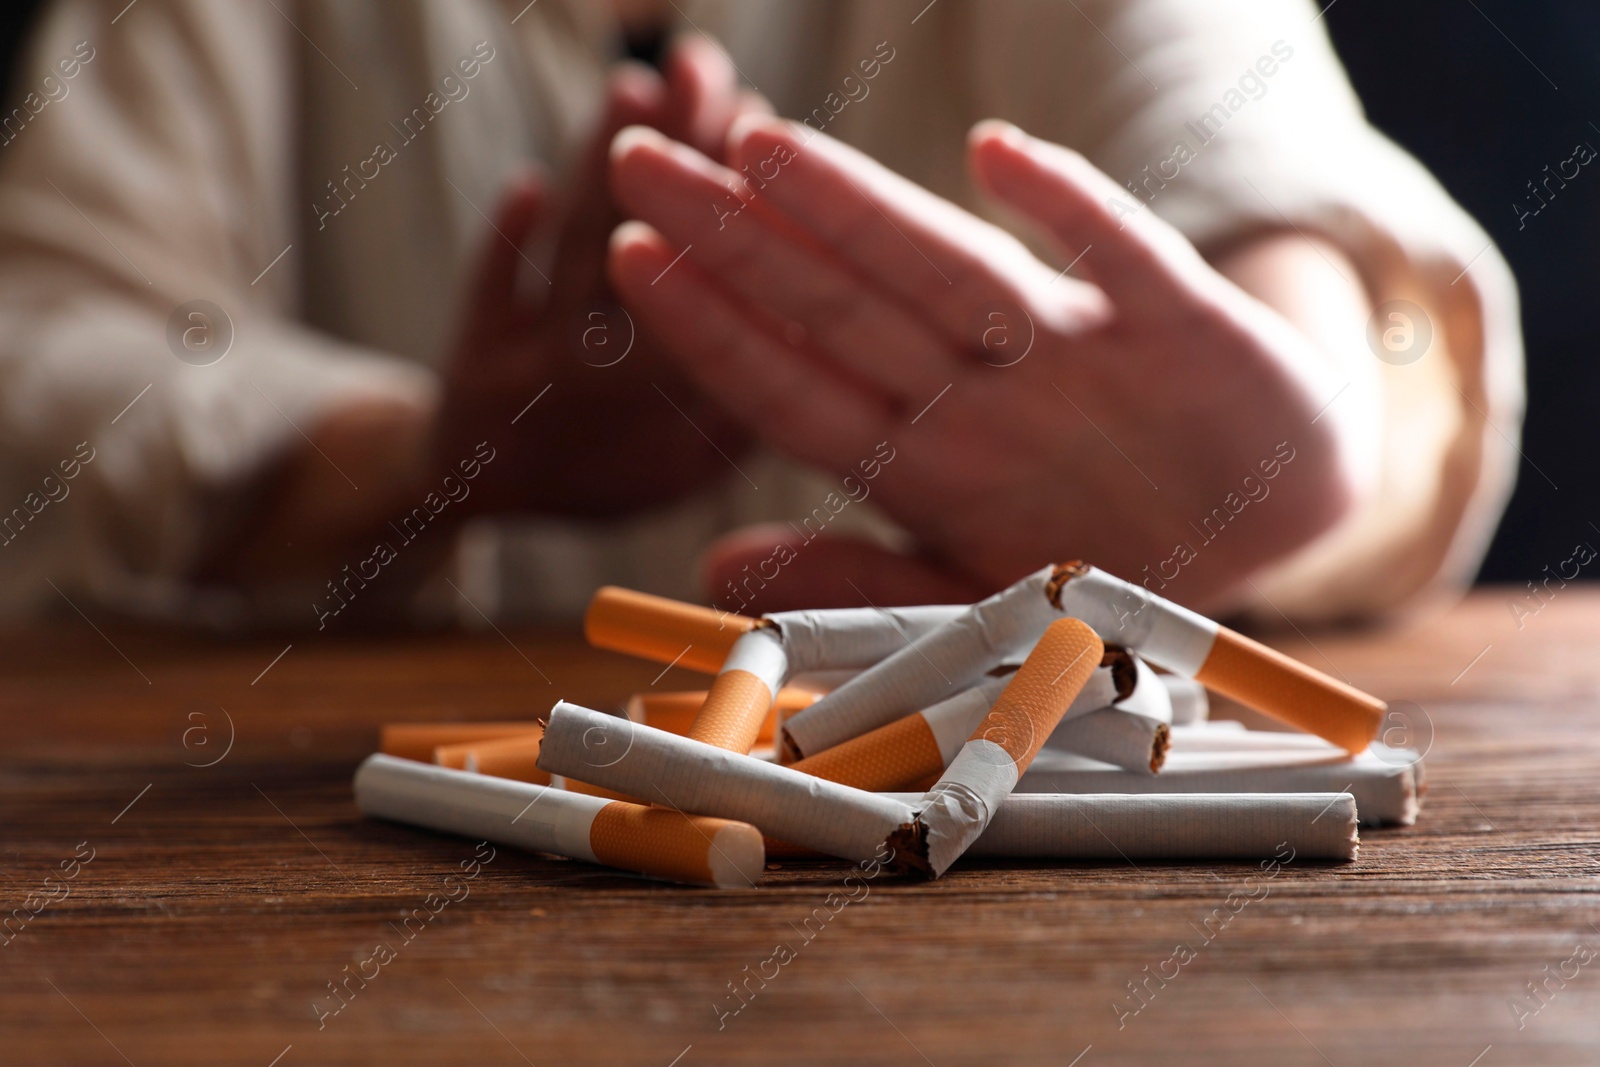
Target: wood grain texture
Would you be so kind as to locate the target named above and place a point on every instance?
(221, 903)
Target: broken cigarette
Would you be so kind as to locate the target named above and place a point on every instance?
(960, 805)
(929, 669)
(1169, 636)
(1117, 705)
(1189, 701)
(1173, 826)
(650, 841)
(1179, 640)
(507, 757)
(417, 740)
(692, 777)
(1128, 727)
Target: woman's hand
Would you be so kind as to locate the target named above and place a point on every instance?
(830, 305)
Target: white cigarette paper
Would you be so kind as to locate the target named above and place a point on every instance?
(1172, 826)
(693, 777)
(542, 819)
(935, 666)
(785, 644)
(1169, 635)
(1190, 704)
(986, 770)
(1136, 743)
(1130, 729)
(1388, 790)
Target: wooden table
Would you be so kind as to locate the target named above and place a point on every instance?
(221, 901)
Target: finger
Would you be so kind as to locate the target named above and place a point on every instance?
(947, 263)
(822, 572)
(762, 258)
(1137, 258)
(795, 403)
(702, 94)
(495, 293)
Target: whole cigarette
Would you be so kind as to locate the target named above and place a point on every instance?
(651, 841)
(1388, 791)
(675, 711)
(686, 775)
(1128, 731)
(1173, 826)
(417, 740)
(665, 631)
(508, 757)
(1234, 738)
(986, 770)
(787, 643)
(931, 668)
(1179, 640)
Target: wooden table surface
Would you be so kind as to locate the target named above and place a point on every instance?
(221, 901)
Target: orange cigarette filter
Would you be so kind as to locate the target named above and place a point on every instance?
(675, 712)
(662, 630)
(882, 760)
(417, 740)
(572, 785)
(668, 844)
(1267, 680)
(508, 757)
(736, 707)
(1038, 695)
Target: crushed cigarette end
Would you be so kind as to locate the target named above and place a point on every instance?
(1060, 576)
(1160, 747)
(1124, 671)
(909, 848)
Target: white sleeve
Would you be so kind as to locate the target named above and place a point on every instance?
(159, 173)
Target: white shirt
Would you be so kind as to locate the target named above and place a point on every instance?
(189, 157)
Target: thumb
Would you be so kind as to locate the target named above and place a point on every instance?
(496, 291)
(771, 567)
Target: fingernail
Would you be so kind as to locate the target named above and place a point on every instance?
(631, 137)
(631, 232)
(1000, 130)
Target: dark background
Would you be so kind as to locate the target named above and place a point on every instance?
(1486, 93)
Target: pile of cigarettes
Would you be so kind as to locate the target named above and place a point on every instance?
(1065, 717)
